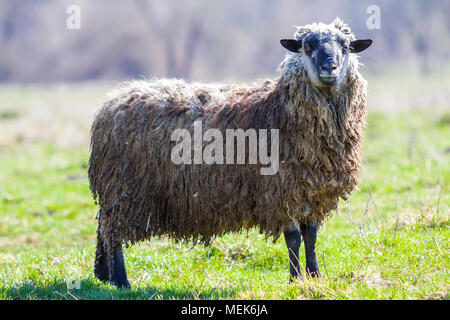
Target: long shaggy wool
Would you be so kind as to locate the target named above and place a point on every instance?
(142, 193)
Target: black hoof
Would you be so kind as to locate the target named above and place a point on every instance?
(295, 277)
(121, 284)
(313, 274)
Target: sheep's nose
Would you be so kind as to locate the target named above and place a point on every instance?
(329, 67)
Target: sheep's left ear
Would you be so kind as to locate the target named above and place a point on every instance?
(359, 45)
(291, 44)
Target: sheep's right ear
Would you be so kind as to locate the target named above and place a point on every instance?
(291, 44)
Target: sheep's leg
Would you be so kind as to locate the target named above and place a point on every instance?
(118, 274)
(101, 265)
(309, 232)
(293, 239)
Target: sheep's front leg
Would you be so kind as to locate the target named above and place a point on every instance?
(293, 239)
(309, 232)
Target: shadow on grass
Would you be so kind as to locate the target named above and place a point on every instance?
(92, 289)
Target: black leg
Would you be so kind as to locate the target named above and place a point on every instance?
(119, 273)
(309, 232)
(293, 239)
(101, 266)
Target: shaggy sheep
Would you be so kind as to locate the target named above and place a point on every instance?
(318, 106)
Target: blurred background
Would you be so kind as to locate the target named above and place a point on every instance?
(59, 58)
(202, 40)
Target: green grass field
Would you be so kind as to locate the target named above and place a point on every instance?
(390, 241)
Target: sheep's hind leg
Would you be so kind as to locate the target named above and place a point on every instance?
(118, 276)
(101, 265)
(293, 239)
(309, 232)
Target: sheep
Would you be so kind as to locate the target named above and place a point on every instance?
(318, 107)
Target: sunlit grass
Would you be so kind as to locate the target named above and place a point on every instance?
(389, 241)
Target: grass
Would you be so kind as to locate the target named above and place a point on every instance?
(389, 241)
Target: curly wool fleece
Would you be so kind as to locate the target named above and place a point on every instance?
(142, 193)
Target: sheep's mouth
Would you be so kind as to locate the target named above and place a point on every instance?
(329, 80)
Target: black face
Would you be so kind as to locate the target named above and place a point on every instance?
(326, 53)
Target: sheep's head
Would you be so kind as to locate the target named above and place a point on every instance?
(324, 51)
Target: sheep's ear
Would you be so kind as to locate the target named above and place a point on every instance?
(291, 44)
(359, 45)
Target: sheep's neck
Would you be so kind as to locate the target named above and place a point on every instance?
(325, 129)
